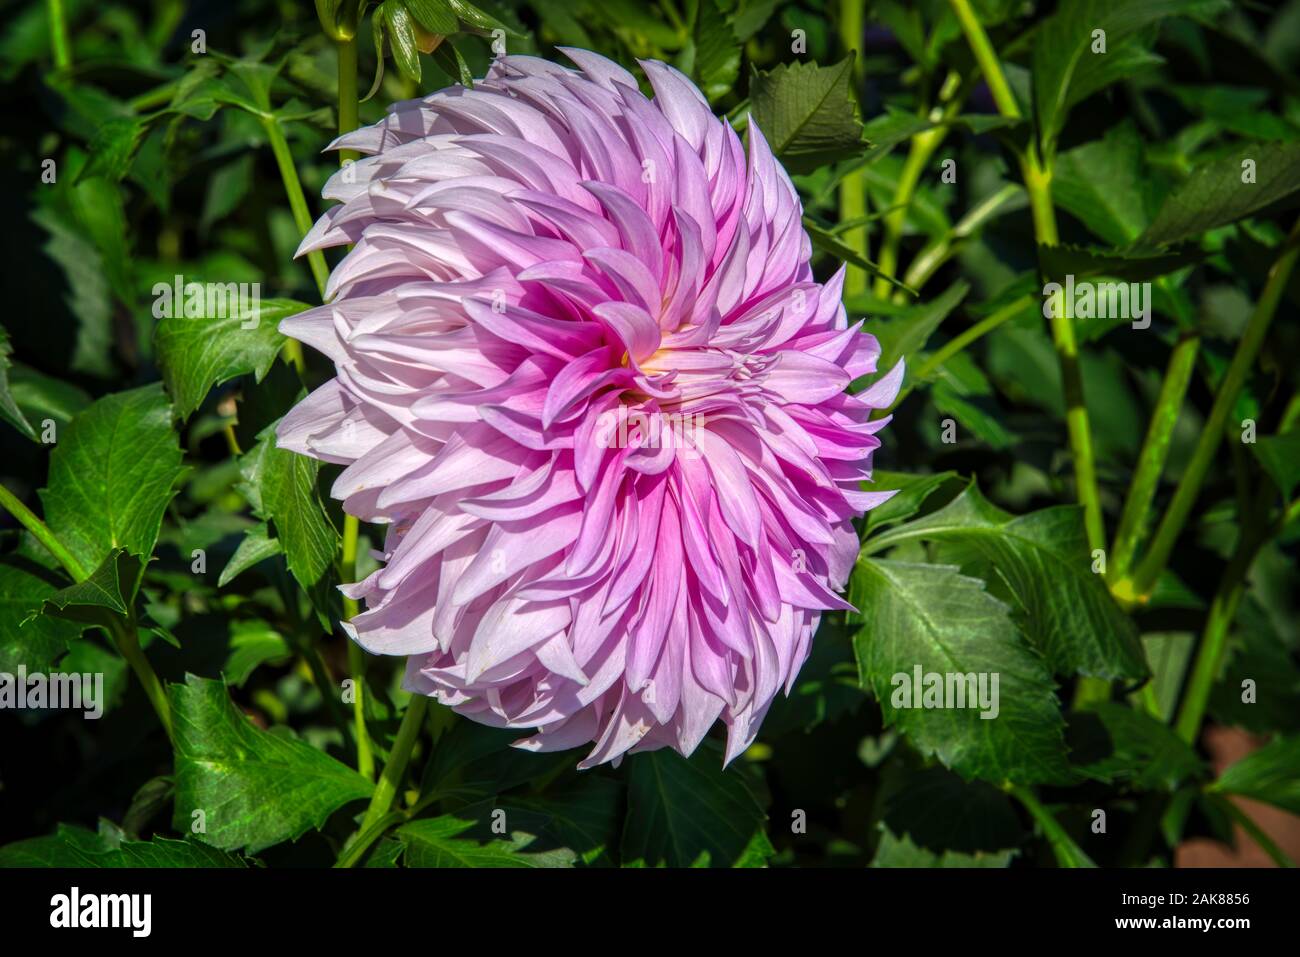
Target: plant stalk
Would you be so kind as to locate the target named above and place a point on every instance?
(11, 504)
(395, 770)
(60, 45)
(298, 205)
(1155, 451)
(1068, 853)
(1171, 525)
(853, 188)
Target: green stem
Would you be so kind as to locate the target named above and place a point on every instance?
(1038, 184)
(960, 341)
(853, 187)
(42, 533)
(1171, 525)
(347, 50)
(127, 639)
(60, 46)
(1223, 611)
(357, 847)
(986, 58)
(297, 202)
(1068, 853)
(152, 99)
(920, 152)
(929, 259)
(918, 155)
(395, 770)
(1155, 451)
(356, 654)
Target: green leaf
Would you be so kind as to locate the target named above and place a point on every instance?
(1105, 185)
(1062, 260)
(449, 58)
(32, 643)
(1267, 775)
(834, 246)
(41, 397)
(912, 490)
(87, 295)
(478, 18)
(401, 38)
(901, 852)
(583, 819)
(112, 473)
(281, 487)
(473, 762)
(456, 840)
(435, 16)
(9, 410)
(1113, 742)
(255, 788)
(113, 148)
(1044, 559)
(72, 846)
(932, 618)
(977, 413)
(808, 113)
(940, 812)
(1065, 68)
(252, 643)
(716, 51)
(202, 348)
(1258, 653)
(1214, 194)
(107, 593)
(691, 812)
(256, 547)
(903, 336)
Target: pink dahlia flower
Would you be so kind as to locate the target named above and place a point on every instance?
(586, 376)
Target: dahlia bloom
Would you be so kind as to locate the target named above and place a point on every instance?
(585, 375)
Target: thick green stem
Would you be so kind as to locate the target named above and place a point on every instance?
(297, 201)
(853, 188)
(11, 504)
(395, 770)
(1171, 525)
(986, 58)
(60, 46)
(347, 50)
(1038, 183)
(1223, 611)
(1068, 853)
(1155, 451)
